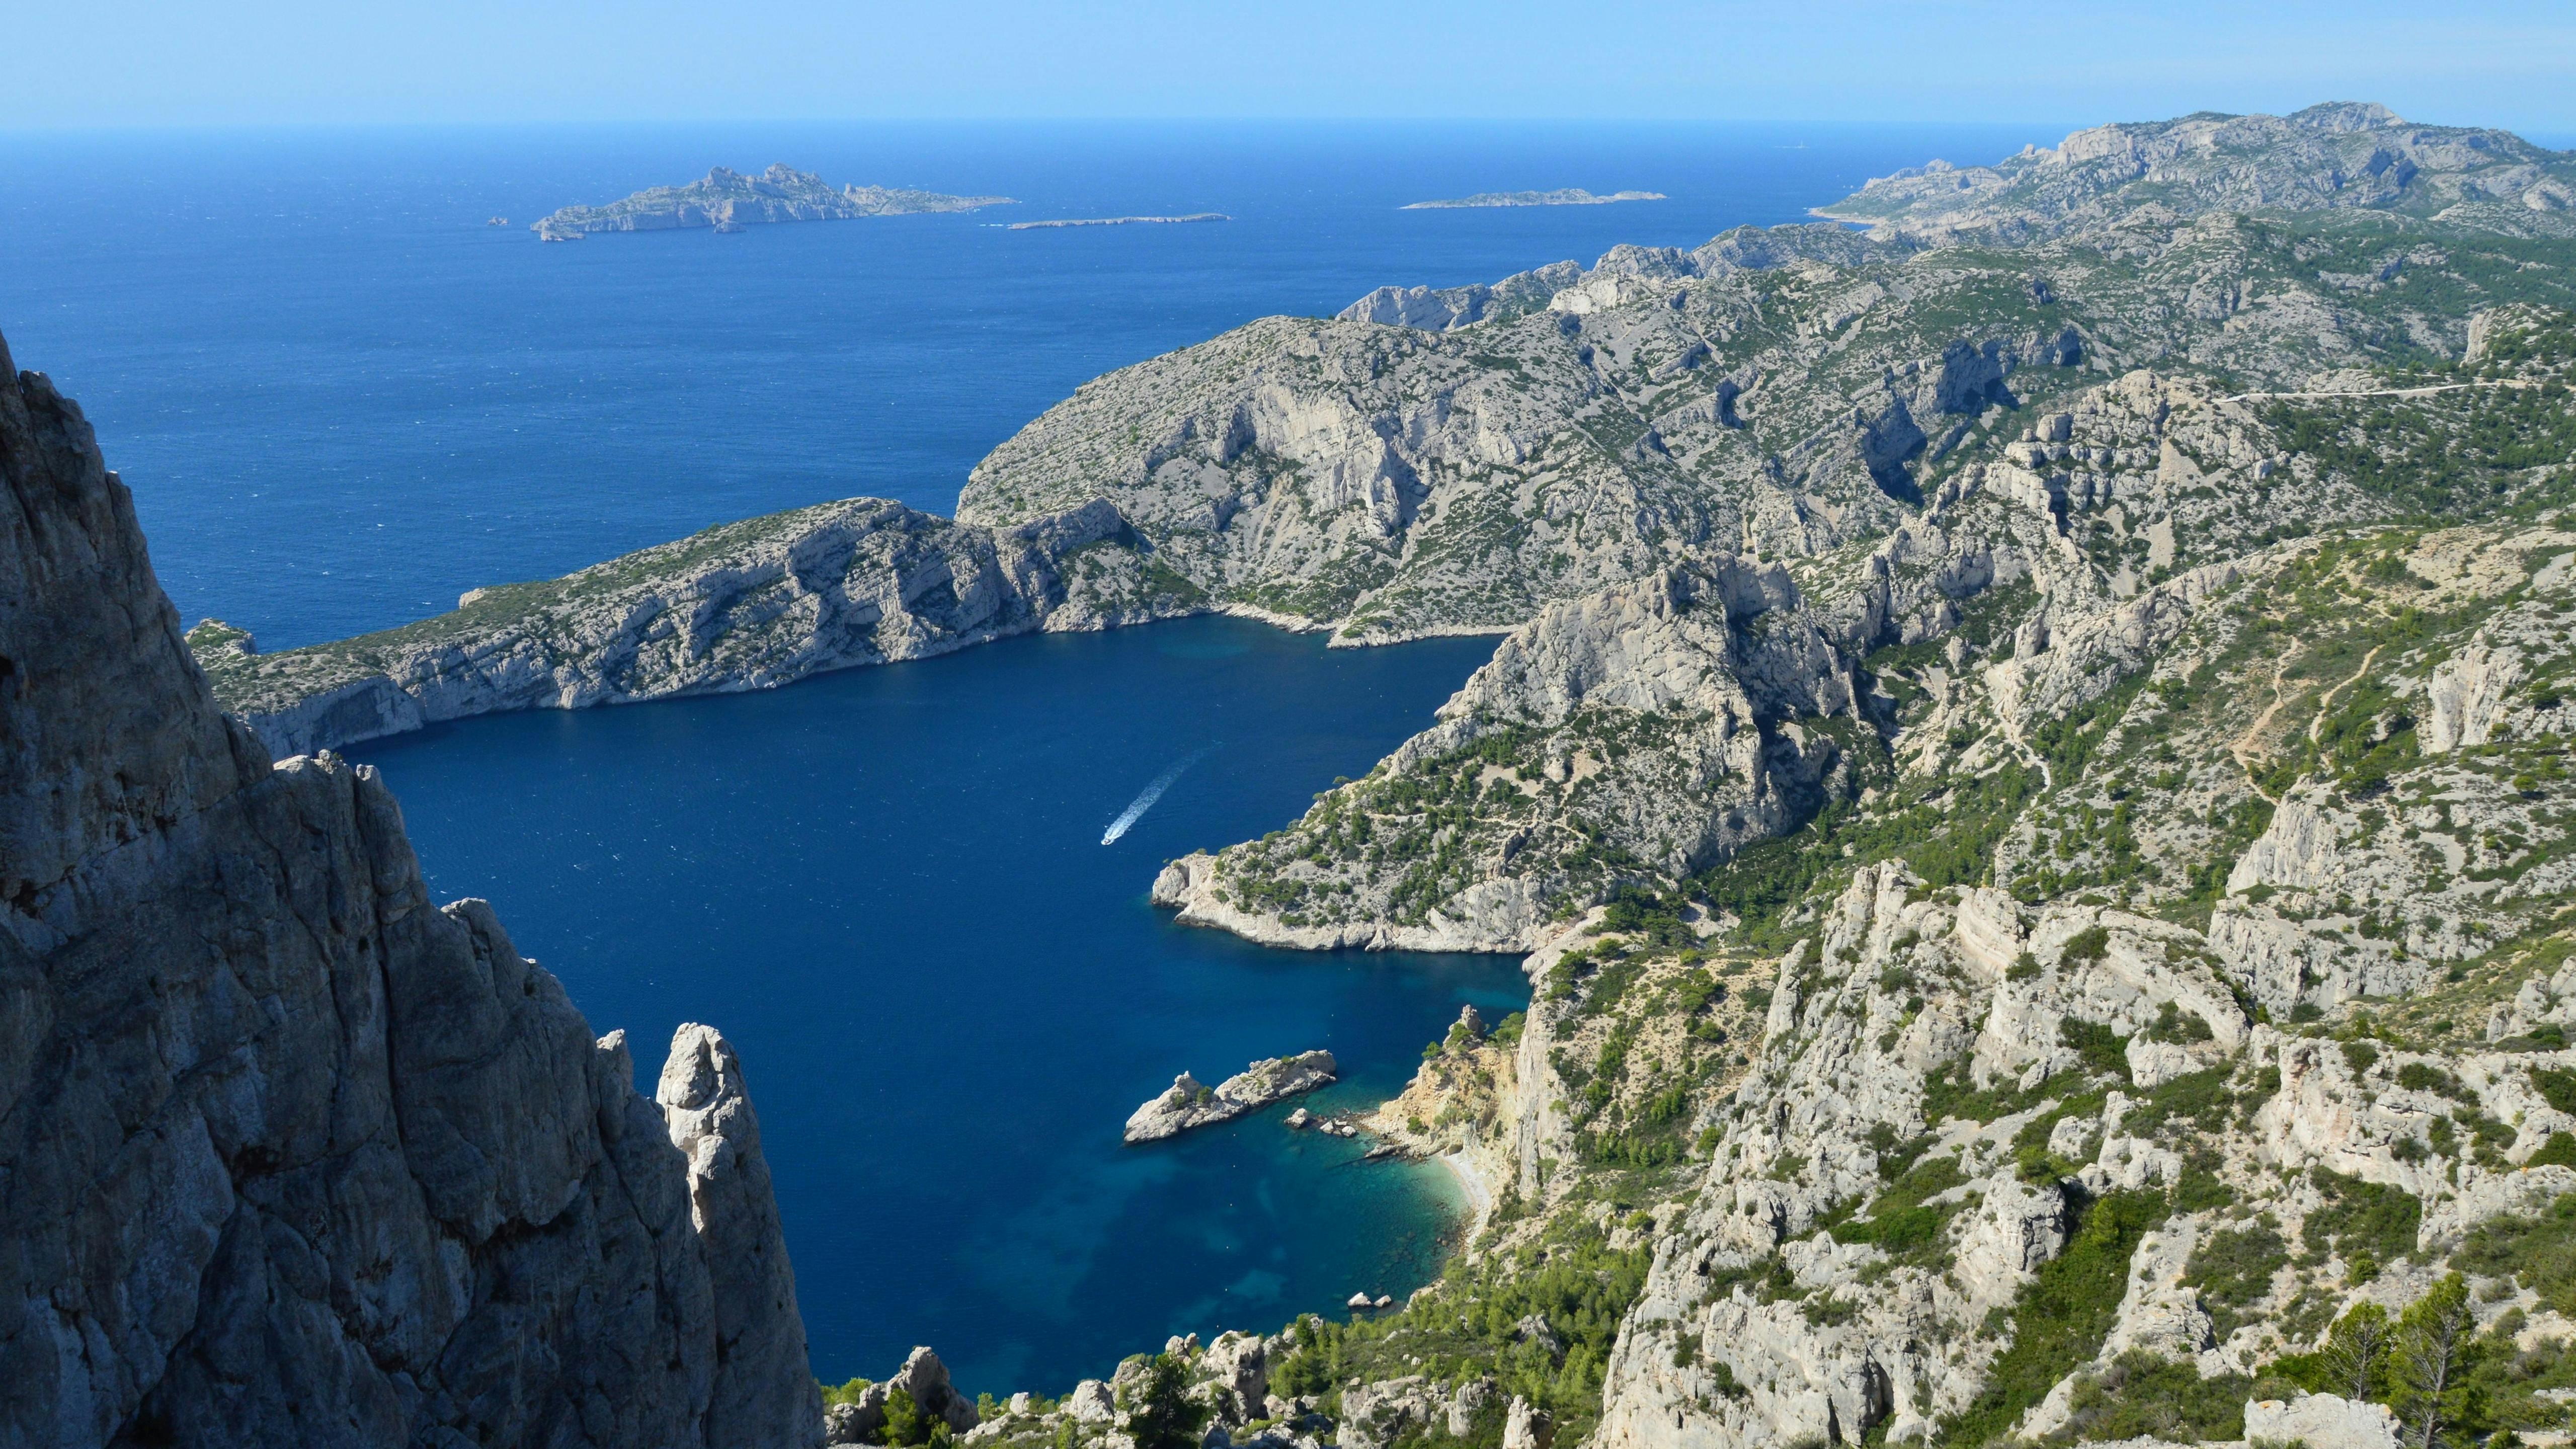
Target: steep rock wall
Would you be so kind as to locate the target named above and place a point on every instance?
(288, 1155)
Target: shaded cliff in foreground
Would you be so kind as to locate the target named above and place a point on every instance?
(287, 1155)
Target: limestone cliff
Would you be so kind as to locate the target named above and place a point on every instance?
(289, 1155)
(2146, 1018)
(1462, 459)
(747, 605)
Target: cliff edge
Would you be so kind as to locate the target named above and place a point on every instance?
(289, 1156)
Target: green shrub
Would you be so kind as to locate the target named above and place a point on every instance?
(2423, 1077)
(2141, 1394)
(1160, 1412)
(2172, 1025)
(2538, 1252)
(2559, 1151)
(1900, 1222)
(2105, 1053)
(2363, 1218)
(2059, 1319)
(905, 1423)
(2087, 945)
(2233, 1270)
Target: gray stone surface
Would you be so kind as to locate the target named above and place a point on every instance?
(1188, 1103)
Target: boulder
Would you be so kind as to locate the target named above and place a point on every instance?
(2321, 1421)
(1525, 1427)
(1090, 1403)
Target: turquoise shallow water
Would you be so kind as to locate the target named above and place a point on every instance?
(888, 887)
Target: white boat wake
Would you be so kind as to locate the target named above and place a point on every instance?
(1137, 807)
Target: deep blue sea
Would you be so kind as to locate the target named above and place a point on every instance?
(341, 399)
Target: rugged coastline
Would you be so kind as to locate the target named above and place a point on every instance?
(2027, 766)
(748, 605)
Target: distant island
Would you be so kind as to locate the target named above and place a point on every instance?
(1121, 220)
(729, 201)
(1568, 196)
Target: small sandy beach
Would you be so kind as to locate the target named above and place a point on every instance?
(1480, 1198)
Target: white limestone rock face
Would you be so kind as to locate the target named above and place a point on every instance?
(731, 1203)
(1663, 717)
(923, 1377)
(1090, 1403)
(1822, 1338)
(2340, 154)
(1525, 1427)
(290, 1156)
(2467, 695)
(1187, 1103)
(2321, 1421)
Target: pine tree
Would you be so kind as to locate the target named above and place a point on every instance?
(1161, 1414)
(2357, 1355)
(904, 1420)
(2432, 1361)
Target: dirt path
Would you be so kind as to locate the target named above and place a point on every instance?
(2327, 702)
(2242, 747)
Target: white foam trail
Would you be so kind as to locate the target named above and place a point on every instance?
(1136, 808)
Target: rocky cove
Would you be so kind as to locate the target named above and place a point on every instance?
(2023, 775)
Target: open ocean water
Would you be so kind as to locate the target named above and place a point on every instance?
(342, 399)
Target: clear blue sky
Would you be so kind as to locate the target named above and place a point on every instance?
(159, 62)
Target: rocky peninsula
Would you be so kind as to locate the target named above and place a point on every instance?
(746, 605)
(1188, 1103)
(1566, 196)
(727, 200)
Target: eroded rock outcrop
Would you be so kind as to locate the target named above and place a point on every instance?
(923, 1379)
(1189, 1103)
(288, 1155)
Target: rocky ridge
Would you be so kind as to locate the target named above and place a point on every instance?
(2144, 1019)
(1188, 1103)
(2333, 156)
(1455, 460)
(741, 606)
(289, 1155)
(727, 200)
(1443, 460)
